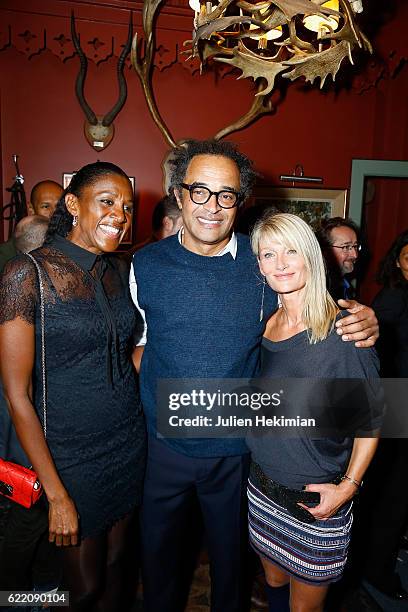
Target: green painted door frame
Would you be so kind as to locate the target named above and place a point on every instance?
(363, 168)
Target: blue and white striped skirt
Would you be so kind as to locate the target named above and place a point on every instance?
(314, 553)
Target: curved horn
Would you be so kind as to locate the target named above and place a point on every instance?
(260, 106)
(110, 116)
(80, 81)
(144, 66)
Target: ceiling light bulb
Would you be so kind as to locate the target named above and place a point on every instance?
(267, 34)
(316, 23)
(195, 5)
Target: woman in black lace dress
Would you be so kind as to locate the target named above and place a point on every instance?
(92, 462)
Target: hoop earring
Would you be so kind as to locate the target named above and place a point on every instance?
(75, 221)
(261, 312)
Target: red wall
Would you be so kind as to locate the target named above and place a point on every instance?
(41, 119)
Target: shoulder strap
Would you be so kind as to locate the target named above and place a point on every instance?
(42, 314)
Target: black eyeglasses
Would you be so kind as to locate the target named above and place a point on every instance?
(201, 195)
(347, 248)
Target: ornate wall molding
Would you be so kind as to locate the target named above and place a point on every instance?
(101, 26)
(99, 42)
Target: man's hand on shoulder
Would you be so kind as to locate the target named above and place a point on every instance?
(361, 326)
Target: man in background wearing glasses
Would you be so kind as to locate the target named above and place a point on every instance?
(338, 238)
(205, 309)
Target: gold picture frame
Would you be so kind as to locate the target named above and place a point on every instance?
(310, 204)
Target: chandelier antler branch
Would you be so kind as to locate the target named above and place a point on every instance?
(143, 65)
(265, 41)
(260, 106)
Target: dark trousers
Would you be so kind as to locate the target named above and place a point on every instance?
(26, 556)
(382, 515)
(174, 484)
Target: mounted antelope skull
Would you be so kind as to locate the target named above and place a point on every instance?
(99, 130)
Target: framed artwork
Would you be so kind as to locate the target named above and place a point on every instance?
(128, 237)
(66, 178)
(310, 204)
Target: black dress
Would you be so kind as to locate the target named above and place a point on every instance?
(95, 426)
(391, 307)
(384, 500)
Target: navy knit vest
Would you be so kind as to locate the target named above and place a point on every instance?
(202, 317)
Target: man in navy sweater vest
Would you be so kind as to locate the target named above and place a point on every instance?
(205, 306)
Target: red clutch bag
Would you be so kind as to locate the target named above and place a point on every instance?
(19, 483)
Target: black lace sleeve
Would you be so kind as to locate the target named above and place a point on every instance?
(18, 290)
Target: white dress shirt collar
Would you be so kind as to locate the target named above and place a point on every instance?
(231, 247)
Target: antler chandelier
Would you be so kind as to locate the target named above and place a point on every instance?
(294, 38)
(264, 40)
(271, 38)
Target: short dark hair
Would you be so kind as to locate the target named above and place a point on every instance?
(166, 207)
(389, 274)
(327, 225)
(182, 156)
(37, 187)
(61, 220)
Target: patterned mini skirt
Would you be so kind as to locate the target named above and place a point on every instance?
(314, 553)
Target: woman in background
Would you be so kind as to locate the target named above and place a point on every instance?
(391, 307)
(386, 483)
(302, 546)
(91, 462)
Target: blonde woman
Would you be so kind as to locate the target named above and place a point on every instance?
(303, 545)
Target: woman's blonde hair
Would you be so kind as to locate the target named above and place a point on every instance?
(319, 309)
